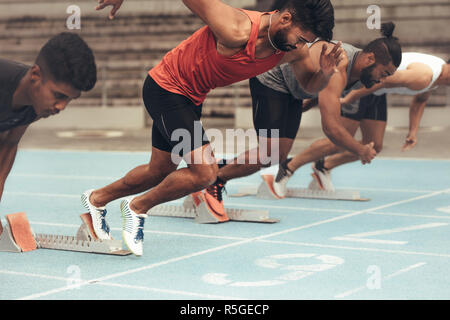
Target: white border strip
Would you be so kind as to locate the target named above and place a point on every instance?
(293, 243)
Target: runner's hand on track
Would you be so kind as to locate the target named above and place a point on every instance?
(116, 4)
(410, 142)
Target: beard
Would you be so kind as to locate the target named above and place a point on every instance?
(366, 77)
(280, 41)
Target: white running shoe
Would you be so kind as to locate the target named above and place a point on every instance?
(281, 179)
(323, 176)
(133, 228)
(101, 228)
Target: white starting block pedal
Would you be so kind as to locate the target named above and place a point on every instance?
(265, 191)
(195, 207)
(17, 236)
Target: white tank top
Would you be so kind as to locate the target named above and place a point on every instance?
(435, 63)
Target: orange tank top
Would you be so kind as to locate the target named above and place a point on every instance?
(195, 67)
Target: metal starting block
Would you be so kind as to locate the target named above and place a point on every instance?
(84, 241)
(195, 207)
(265, 191)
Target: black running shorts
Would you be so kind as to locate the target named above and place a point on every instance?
(274, 110)
(176, 120)
(370, 107)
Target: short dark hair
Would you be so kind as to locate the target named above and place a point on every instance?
(387, 48)
(316, 16)
(69, 59)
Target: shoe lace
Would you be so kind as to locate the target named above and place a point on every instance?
(283, 171)
(104, 224)
(216, 190)
(140, 227)
(280, 175)
(320, 165)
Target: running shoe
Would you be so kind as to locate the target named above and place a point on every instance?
(133, 228)
(323, 176)
(282, 178)
(98, 214)
(214, 199)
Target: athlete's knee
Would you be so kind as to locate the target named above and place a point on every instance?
(159, 170)
(272, 154)
(205, 175)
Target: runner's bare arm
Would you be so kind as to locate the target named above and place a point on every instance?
(228, 24)
(116, 4)
(355, 95)
(9, 142)
(416, 77)
(314, 67)
(413, 78)
(416, 110)
(330, 110)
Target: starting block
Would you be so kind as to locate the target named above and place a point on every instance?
(266, 191)
(195, 207)
(17, 236)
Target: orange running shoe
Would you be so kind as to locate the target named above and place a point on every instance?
(213, 197)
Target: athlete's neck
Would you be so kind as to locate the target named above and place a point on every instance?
(357, 67)
(21, 96)
(266, 27)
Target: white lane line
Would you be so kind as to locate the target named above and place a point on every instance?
(390, 276)
(374, 241)
(396, 230)
(229, 203)
(224, 155)
(170, 233)
(62, 177)
(361, 237)
(119, 285)
(303, 244)
(231, 183)
(41, 194)
(409, 215)
(364, 249)
(177, 292)
(356, 213)
(234, 204)
(82, 151)
(219, 248)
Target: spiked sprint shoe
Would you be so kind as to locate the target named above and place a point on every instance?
(98, 214)
(133, 228)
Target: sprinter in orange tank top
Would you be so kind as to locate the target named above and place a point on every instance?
(234, 45)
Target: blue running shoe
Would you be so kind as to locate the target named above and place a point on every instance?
(98, 214)
(133, 228)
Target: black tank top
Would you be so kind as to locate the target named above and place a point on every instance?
(10, 75)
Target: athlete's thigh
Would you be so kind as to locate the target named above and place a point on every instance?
(373, 123)
(373, 131)
(350, 125)
(269, 110)
(163, 161)
(277, 149)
